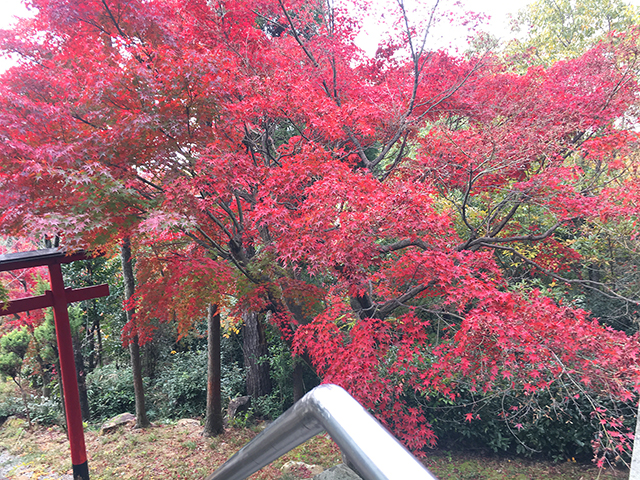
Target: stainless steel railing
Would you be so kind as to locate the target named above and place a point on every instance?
(374, 452)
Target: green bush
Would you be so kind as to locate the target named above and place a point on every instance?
(549, 424)
(110, 391)
(281, 366)
(46, 411)
(10, 402)
(233, 376)
(181, 387)
(268, 406)
(232, 383)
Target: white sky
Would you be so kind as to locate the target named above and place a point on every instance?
(498, 10)
(9, 9)
(447, 34)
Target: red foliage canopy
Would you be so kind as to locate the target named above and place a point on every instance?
(378, 207)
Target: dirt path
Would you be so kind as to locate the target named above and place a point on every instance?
(11, 464)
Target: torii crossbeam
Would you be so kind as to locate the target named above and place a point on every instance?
(58, 298)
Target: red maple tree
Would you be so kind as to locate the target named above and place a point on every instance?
(391, 212)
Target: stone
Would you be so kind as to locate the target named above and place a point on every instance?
(237, 405)
(188, 422)
(301, 470)
(339, 472)
(113, 424)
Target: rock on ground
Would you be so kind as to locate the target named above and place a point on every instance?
(339, 472)
(236, 406)
(188, 422)
(301, 469)
(113, 424)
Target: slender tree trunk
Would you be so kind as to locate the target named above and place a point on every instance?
(44, 370)
(61, 392)
(89, 331)
(46, 377)
(97, 328)
(298, 384)
(134, 349)
(213, 422)
(255, 355)
(141, 413)
(82, 384)
(24, 400)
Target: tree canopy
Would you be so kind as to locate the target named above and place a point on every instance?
(562, 29)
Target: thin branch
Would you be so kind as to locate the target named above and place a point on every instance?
(296, 36)
(487, 241)
(591, 284)
(404, 244)
(239, 205)
(398, 158)
(86, 122)
(208, 244)
(238, 228)
(391, 305)
(113, 19)
(498, 228)
(219, 223)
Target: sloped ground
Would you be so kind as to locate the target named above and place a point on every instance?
(169, 451)
(178, 451)
(21, 468)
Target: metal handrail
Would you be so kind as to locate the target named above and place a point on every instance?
(374, 452)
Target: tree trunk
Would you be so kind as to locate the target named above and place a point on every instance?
(298, 384)
(61, 392)
(138, 388)
(134, 349)
(90, 339)
(82, 384)
(96, 327)
(213, 422)
(255, 355)
(24, 400)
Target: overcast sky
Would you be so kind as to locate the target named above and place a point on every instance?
(498, 10)
(8, 9)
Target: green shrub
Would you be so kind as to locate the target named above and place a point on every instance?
(46, 411)
(181, 387)
(232, 383)
(268, 406)
(10, 403)
(548, 424)
(233, 377)
(281, 366)
(110, 391)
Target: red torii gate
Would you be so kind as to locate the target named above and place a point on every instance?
(58, 298)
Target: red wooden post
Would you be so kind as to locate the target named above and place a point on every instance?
(58, 298)
(69, 378)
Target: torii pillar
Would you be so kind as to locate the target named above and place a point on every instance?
(58, 298)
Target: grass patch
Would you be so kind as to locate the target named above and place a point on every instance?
(160, 452)
(466, 466)
(176, 452)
